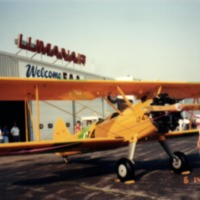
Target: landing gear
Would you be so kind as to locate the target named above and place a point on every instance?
(179, 162)
(125, 166)
(125, 170)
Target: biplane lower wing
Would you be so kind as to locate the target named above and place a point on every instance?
(71, 147)
(183, 132)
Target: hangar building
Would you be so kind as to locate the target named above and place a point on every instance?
(15, 65)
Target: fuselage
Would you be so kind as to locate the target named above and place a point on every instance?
(133, 120)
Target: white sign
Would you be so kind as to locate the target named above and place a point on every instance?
(30, 70)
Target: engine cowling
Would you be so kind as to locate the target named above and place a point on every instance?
(165, 121)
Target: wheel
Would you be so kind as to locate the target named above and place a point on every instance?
(179, 162)
(125, 170)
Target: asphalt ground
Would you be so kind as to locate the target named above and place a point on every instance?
(92, 176)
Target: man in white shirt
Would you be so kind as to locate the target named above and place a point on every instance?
(15, 133)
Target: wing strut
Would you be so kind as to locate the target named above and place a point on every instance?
(124, 97)
(117, 110)
(159, 90)
(37, 111)
(36, 128)
(32, 121)
(26, 119)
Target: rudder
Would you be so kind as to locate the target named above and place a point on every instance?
(61, 132)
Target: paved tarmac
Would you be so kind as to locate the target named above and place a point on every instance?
(92, 176)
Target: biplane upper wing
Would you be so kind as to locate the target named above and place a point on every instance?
(48, 89)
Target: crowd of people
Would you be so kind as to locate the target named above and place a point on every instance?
(12, 135)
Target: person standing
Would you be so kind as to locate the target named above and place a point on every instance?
(15, 133)
(5, 134)
(1, 136)
(78, 127)
(197, 121)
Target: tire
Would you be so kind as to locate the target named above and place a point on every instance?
(179, 162)
(125, 170)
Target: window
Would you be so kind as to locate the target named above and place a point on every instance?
(41, 126)
(50, 125)
(67, 124)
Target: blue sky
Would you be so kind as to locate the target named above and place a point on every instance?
(147, 39)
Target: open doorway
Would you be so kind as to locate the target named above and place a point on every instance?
(13, 111)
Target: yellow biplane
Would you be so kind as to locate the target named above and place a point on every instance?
(157, 113)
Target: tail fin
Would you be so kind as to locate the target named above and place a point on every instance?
(61, 132)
